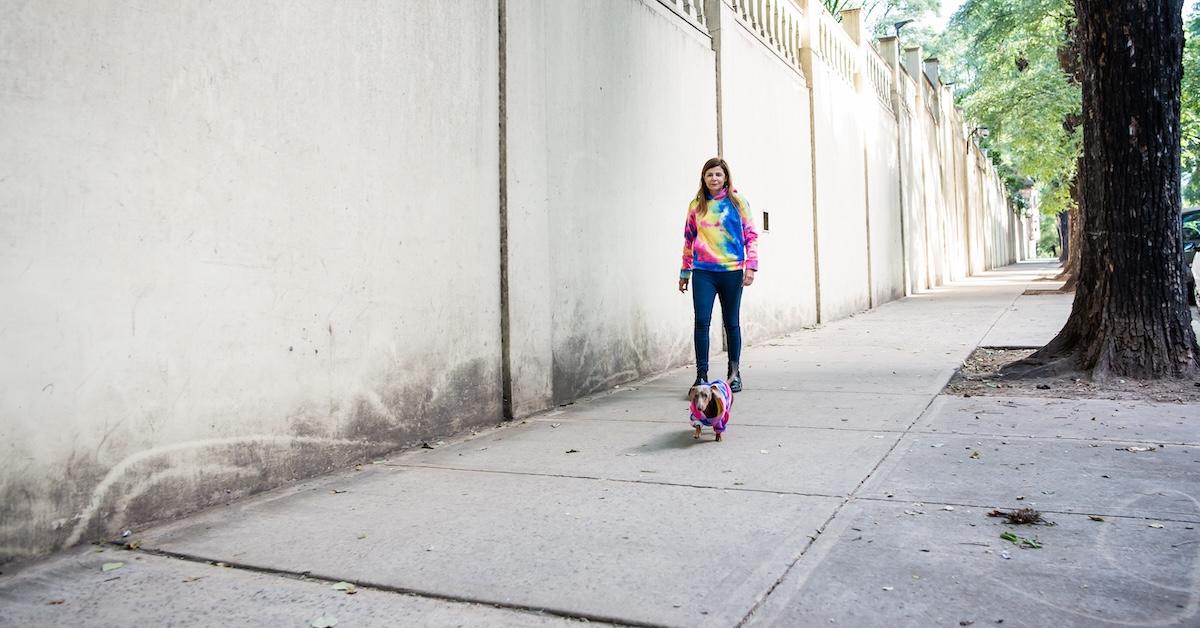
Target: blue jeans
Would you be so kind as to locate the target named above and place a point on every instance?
(707, 286)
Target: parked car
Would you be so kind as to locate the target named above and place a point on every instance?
(1191, 242)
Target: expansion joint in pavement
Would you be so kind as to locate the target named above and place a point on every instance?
(894, 500)
(833, 515)
(1077, 439)
(593, 478)
(368, 585)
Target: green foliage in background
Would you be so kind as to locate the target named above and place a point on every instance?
(879, 16)
(1004, 56)
(1189, 110)
(1048, 242)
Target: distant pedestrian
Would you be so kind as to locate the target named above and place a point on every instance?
(720, 256)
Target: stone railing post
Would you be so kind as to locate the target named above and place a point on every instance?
(852, 23)
(889, 49)
(933, 69)
(809, 36)
(912, 63)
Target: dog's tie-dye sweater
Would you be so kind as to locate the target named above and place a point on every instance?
(723, 239)
(724, 396)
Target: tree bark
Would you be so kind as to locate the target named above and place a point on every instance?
(1070, 273)
(1130, 316)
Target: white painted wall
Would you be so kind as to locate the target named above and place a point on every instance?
(765, 130)
(241, 243)
(883, 201)
(841, 195)
(611, 114)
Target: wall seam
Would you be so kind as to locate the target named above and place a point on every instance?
(812, 142)
(506, 386)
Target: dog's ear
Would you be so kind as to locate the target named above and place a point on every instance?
(693, 392)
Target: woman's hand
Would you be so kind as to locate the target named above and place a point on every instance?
(748, 277)
(683, 282)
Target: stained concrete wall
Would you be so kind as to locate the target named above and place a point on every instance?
(767, 142)
(242, 243)
(611, 113)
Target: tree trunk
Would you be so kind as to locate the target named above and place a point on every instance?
(1070, 273)
(1130, 316)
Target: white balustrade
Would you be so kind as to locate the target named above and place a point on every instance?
(776, 22)
(880, 74)
(692, 10)
(836, 47)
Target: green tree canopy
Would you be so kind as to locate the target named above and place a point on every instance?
(1189, 110)
(880, 15)
(1008, 59)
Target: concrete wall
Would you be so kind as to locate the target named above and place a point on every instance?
(841, 199)
(880, 129)
(767, 142)
(242, 243)
(611, 114)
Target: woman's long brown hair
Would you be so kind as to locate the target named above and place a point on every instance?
(702, 195)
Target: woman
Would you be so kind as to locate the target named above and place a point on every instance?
(720, 254)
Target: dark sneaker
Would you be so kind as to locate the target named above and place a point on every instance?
(735, 377)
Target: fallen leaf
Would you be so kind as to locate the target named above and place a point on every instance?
(975, 454)
(111, 566)
(1095, 518)
(55, 602)
(1136, 449)
(948, 508)
(1020, 541)
(555, 424)
(347, 587)
(572, 451)
(132, 545)
(338, 490)
(325, 621)
(888, 588)
(1156, 525)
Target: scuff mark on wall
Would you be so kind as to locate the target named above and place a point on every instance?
(83, 499)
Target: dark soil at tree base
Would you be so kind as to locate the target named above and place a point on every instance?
(979, 377)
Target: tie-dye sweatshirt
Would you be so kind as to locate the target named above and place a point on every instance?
(723, 239)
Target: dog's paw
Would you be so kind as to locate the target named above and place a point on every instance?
(718, 437)
(697, 433)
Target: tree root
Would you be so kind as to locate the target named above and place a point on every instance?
(1038, 367)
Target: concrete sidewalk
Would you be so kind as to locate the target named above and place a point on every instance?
(847, 492)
